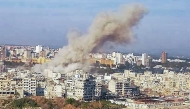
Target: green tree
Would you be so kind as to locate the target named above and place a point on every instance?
(70, 101)
(23, 102)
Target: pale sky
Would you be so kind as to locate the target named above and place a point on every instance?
(31, 22)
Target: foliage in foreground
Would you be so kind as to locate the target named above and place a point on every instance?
(23, 102)
(61, 103)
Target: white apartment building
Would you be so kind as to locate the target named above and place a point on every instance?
(80, 86)
(38, 48)
(144, 59)
(117, 58)
(29, 86)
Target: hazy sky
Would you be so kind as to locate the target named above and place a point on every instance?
(165, 28)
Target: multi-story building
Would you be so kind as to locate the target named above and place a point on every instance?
(29, 86)
(38, 49)
(7, 88)
(123, 88)
(149, 61)
(164, 57)
(40, 87)
(80, 86)
(53, 91)
(144, 59)
(2, 53)
(84, 89)
(10, 88)
(118, 58)
(1, 66)
(27, 54)
(98, 89)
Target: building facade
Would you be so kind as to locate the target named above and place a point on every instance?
(164, 57)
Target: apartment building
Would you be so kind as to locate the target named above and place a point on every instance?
(2, 53)
(80, 86)
(40, 87)
(81, 89)
(7, 88)
(98, 89)
(123, 88)
(53, 91)
(29, 86)
(11, 88)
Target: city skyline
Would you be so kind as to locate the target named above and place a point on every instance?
(164, 28)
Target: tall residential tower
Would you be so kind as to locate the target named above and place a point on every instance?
(164, 57)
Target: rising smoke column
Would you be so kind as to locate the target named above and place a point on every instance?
(115, 27)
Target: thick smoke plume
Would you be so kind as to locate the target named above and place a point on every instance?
(114, 27)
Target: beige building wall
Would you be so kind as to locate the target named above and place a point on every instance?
(111, 86)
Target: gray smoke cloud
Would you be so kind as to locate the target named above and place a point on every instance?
(115, 27)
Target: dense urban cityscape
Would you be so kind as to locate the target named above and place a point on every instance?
(123, 55)
(134, 81)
